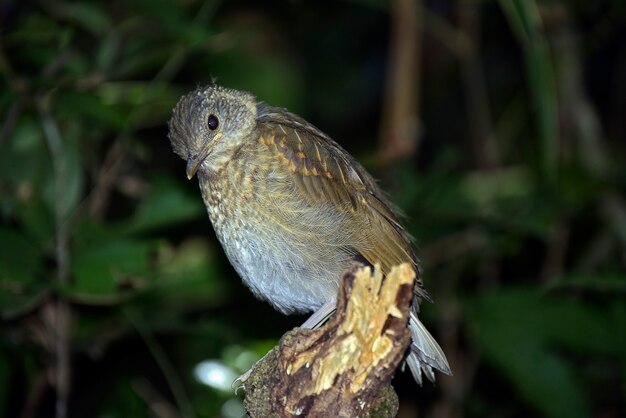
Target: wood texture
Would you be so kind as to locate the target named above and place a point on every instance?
(342, 369)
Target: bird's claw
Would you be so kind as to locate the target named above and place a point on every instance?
(240, 382)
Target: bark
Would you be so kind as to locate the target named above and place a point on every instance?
(344, 368)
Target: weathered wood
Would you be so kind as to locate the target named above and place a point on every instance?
(343, 368)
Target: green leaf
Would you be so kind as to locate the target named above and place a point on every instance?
(611, 285)
(525, 20)
(36, 29)
(107, 52)
(102, 270)
(20, 258)
(168, 204)
(38, 221)
(85, 15)
(543, 378)
(486, 187)
(24, 158)
(271, 75)
(150, 102)
(189, 278)
(141, 60)
(21, 269)
(88, 106)
(518, 332)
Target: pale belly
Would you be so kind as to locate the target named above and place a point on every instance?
(295, 263)
(277, 275)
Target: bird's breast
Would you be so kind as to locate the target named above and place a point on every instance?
(285, 250)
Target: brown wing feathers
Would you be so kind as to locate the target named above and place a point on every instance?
(324, 169)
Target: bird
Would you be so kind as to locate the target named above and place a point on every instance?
(292, 209)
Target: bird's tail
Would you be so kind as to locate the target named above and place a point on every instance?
(425, 354)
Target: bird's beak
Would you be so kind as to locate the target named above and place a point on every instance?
(193, 163)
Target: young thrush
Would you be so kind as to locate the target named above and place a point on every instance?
(291, 208)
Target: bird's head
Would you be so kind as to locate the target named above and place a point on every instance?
(209, 125)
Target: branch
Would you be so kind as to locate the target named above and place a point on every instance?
(342, 369)
(400, 128)
(61, 316)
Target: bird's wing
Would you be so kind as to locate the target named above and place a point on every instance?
(322, 170)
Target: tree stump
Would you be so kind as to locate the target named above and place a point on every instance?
(344, 368)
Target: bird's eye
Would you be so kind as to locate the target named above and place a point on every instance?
(212, 122)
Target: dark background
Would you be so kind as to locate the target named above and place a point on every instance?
(499, 127)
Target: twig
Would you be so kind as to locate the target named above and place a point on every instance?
(580, 122)
(167, 368)
(61, 331)
(108, 173)
(160, 407)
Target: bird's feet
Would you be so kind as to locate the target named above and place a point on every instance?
(320, 316)
(240, 382)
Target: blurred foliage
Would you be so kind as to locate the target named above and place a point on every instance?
(524, 252)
